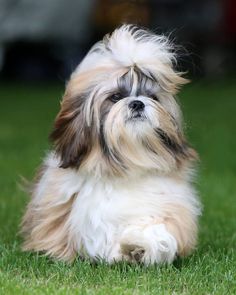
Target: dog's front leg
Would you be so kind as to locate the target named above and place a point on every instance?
(148, 244)
(161, 239)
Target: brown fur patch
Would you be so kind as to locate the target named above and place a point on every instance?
(70, 134)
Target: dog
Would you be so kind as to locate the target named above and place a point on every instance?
(117, 185)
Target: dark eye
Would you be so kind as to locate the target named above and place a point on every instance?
(115, 97)
(154, 97)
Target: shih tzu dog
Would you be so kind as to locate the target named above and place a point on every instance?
(117, 185)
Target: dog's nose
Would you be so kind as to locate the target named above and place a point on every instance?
(136, 105)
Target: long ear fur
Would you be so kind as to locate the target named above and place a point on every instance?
(177, 145)
(71, 135)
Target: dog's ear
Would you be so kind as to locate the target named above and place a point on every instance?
(174, 141)
(71, 135)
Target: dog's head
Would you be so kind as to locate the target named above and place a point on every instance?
(118, 113)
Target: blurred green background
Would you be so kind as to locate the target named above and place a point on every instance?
(40, 44)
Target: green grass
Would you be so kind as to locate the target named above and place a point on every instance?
(26, 116)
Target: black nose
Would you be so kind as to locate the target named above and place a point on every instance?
(136, 105)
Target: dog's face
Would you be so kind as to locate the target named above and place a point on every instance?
(119, 114)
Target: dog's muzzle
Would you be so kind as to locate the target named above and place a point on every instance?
(137, 109)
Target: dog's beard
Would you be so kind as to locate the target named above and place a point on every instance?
(145, 139)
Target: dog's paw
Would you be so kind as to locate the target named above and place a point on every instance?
(152, 244)
(132, 252)
(162, 247)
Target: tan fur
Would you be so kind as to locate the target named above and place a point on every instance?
(182, 224)
(45, 228)
(171, 81)
(81, 82)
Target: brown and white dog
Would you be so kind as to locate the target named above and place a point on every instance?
(117, 185)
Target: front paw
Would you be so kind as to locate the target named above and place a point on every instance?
(152, 244)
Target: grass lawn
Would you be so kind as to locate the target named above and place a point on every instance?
(26, 116)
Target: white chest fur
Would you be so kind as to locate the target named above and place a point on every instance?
(104, 209)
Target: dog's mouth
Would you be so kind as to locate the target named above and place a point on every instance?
(137, 116)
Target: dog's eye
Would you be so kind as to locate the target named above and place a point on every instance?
(154, 97)
(115, 97)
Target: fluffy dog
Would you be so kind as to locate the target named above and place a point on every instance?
(117, 185)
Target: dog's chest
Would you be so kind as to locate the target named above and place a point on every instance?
(103, 209)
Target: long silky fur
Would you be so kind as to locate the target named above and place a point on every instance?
(115, 183)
